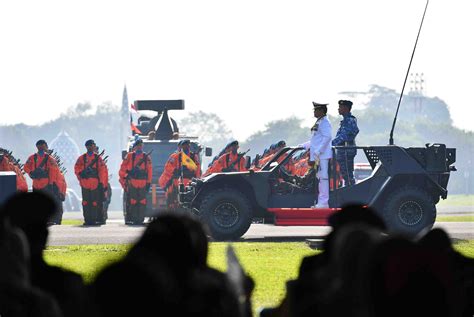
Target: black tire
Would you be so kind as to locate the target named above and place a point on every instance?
(409, 210)
(227, 213)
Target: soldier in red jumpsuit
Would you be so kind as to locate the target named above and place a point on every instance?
(7, 166)
(231, 161)
(93, 177)
(43, 170)
(182, 166)
(135, 175)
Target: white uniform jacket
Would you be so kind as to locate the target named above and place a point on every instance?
(320, 143)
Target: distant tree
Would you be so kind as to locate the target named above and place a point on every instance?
(290, 130)
(210, 129)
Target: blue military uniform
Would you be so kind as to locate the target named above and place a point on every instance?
(345, 136)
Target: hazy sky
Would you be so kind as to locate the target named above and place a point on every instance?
(249, 61)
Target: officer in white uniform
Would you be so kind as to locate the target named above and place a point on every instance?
(320, 151)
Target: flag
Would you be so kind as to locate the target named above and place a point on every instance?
(188, 162)
(133, 122)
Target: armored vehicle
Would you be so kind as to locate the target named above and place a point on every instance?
(159, 146)
(404, 187)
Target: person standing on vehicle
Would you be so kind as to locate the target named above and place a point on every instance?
(345, 136)
(182, 166)
(92, 174)
(44, 171)
(320, 152)
(136, 173)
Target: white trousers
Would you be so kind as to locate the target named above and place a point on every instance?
(323, 176)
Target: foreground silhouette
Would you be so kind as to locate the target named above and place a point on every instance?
(30, 212)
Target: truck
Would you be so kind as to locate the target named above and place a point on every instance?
(164, 142)
(404, 186)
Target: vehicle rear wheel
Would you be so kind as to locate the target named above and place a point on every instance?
(409, 210)
(227, 213)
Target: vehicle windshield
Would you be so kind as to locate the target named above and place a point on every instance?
(282, 157)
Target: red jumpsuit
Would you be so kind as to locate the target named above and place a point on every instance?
(7, 166)
(226, 160)
(135, 176)
(43, 177)
(170, 178)
(47, 177)
(91, 172)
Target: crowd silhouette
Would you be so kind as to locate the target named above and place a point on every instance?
(361, 272)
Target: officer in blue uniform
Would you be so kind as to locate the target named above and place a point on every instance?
(345, 136)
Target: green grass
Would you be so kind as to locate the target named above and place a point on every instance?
(269, 264)
(457, 201)
(72, 222)
(461, 218)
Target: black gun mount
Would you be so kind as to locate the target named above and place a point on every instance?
(163, 125)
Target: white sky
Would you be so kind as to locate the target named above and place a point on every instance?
(249, 61)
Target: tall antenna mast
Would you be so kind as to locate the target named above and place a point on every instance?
(406, 77)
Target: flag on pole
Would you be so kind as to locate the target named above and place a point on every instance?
(133, 123)
(188, 162)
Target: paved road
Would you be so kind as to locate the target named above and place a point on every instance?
(116, 232)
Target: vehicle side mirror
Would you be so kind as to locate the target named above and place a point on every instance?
(248, 162)
(124, 154)
(208, 151)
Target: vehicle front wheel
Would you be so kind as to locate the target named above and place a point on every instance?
(409, 210)
(227, 213)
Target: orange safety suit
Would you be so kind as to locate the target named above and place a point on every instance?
(226, 161)
(7, 166)
(98, 172)
(174, 171)
(91, 172)
(47, 177)
(135, 177)
(44, 176)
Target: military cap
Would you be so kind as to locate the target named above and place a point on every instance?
(89, 142)
(183, 142)
(319, 105)
(233, 143)
(40, 142)
(138, 142)
(346, 103)
(281, 143)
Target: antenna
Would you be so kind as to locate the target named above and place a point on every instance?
(406, 77)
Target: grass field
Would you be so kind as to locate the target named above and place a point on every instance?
(270, 264)
(457, 201)
(72, 222)
(460, 218)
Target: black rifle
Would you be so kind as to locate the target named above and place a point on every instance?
(39, 172)
(230, 167)
(136, 172)
(89, 171)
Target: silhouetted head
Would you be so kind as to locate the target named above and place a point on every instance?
(356, 214)
(175, 238)
(351, 215)
(31, 212)
(406, 279)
